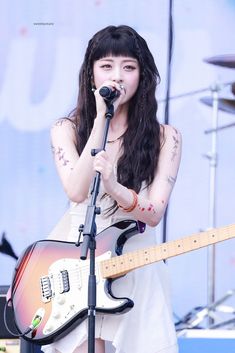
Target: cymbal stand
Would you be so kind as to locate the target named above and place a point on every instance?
(208, 313)
(227, 126)
(213, 305)
(192, 320)
(195, 318)
(213, 159)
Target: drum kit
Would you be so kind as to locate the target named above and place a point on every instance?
(224, 104)
(227, 105)
(194, 318)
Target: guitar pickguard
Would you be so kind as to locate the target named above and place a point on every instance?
(50, 285)
(70, 302)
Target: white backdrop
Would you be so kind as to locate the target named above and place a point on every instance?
(42, 45)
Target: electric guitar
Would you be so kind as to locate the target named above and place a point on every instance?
(49, 287)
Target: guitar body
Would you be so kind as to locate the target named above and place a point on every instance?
(50, 283)
(49, 291)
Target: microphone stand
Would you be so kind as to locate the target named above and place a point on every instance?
(89, 234)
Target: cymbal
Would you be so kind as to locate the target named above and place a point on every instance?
(225, 104)
(222, 60)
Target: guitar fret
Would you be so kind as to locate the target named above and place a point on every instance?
(61, 277)
(122, 264)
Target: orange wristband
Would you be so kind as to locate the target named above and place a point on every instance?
(134, 203)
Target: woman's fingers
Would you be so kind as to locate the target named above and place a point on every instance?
(103, 165)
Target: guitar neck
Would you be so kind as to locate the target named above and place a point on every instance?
(120, 265)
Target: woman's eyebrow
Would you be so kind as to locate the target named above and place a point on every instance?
(124, 60)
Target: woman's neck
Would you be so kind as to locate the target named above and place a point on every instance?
(119, 121)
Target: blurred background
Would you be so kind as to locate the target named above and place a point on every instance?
(42, 44)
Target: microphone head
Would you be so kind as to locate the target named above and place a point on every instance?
(109, 93)
(105, 91)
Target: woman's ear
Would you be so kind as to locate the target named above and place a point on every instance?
(93, 88)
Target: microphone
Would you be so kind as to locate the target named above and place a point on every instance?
(109, 93)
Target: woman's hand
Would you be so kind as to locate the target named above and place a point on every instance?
(103, 165)
(100, 101)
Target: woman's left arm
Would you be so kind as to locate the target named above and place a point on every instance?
(166, 175)
(149, 209)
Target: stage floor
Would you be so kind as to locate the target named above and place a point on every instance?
(207, 341)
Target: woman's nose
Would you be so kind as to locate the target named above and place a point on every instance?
(117, 75)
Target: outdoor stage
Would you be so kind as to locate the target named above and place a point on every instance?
(207, 341)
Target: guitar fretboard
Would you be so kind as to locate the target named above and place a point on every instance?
(120, 265)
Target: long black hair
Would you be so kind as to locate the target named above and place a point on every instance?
(141, 141)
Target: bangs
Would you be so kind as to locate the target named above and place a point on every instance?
(115, 46)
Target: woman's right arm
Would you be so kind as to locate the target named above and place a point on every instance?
(76, 172)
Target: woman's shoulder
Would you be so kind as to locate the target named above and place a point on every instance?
(65, 123)
(63, 127)
(168, 132)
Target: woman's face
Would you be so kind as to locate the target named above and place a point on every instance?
(120, 69)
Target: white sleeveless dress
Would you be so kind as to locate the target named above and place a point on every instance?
(148, 327)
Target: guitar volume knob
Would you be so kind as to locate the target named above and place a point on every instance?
(56, 315)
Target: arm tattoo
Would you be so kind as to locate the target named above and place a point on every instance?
(176, 145)
(60, 154)
(171, 180)
(60, 122)
(149, 208)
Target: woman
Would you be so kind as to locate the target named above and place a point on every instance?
(138, 171)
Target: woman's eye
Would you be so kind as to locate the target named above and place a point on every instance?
(129, 68)
(106, 66)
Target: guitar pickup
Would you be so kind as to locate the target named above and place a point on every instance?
(64, 281)
(46, 290)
